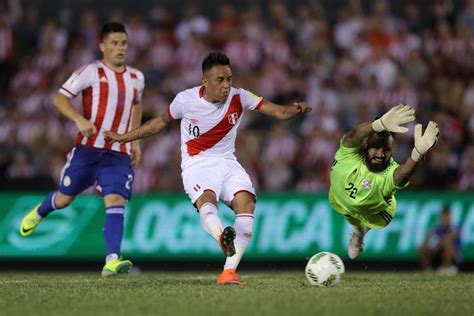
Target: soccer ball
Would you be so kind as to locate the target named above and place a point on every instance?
(324, 269)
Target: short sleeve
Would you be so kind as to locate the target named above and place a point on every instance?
(140, 87)
(176, 108)
(249, 100)
(81, 79)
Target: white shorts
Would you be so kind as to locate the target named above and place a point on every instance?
(223, 176)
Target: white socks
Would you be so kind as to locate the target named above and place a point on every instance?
(243, 227)
(243, 224)
(210, 221)
(111, 257)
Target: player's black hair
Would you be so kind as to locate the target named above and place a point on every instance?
(214, 59)
(111, 27)
(386, 134)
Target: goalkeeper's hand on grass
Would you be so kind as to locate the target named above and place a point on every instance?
(396, 116)
(424, 142)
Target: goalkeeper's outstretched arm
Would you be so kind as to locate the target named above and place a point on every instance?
(423, 143)
(390, 121)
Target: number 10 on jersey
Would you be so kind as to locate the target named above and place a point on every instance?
(194, 130)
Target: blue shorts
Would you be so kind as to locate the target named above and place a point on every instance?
(112, 171)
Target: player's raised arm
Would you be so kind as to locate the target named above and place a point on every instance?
(391, 121)
(284, 112)
(151, 127)
(86, 127)
(423, 143)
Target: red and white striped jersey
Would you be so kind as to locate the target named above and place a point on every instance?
(108, 98)
(209, 129)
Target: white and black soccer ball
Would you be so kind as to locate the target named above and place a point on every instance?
(324, 269)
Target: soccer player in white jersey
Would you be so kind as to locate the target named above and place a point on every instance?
(210, 115)
(111, 99)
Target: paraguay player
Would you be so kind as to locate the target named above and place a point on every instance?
(364, 176)
(111, 99)
(210, 115)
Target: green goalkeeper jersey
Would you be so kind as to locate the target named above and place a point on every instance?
(357, 191)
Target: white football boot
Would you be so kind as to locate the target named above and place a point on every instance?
(356, 243)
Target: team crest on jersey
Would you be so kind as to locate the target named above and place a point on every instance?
(67, 181)
(366, 184)
(233, 118)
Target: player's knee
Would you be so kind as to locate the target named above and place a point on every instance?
(244, 202)
(62, 201)
(245, 206)
(114, 200)
(206, 197)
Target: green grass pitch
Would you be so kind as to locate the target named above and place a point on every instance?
(267, 293)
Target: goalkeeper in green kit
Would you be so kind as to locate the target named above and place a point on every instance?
(364, 176)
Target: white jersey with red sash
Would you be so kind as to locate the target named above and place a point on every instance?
(209, 129)
(108, 98)
(208, 132)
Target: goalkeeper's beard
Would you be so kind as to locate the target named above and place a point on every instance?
(375, 167)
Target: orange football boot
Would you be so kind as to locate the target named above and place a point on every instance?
(229, 277)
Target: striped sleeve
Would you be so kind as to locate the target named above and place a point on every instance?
(80, 80)
(141, 87)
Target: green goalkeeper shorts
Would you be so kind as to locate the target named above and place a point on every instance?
(359, 219)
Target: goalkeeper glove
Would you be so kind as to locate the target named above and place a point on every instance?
(423, 143)
(395, 117)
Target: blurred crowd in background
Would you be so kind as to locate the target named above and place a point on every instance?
(350, 69)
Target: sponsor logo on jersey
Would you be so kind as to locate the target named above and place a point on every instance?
(233, 118)
(366, 184)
